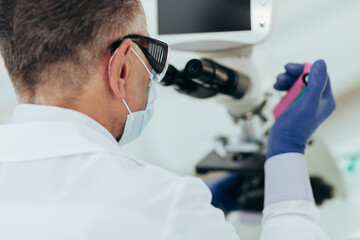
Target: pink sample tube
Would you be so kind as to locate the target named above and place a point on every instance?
(293, 93)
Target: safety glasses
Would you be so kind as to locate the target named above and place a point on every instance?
(155, 51)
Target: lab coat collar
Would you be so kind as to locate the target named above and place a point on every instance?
(37, 132)
(32, 112)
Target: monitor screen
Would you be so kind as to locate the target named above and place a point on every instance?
(201, 16)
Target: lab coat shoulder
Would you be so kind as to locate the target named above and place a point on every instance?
(191, 216)
(181, 206)
(121, 180)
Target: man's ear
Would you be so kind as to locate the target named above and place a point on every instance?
(119, 69)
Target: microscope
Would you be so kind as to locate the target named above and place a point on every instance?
(206, 78)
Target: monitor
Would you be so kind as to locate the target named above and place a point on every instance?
(209, 25)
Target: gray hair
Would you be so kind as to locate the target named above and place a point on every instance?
(57, 44)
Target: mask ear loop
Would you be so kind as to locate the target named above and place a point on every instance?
(109, 68)
(111, 59)
(151, 75)
(127, 107)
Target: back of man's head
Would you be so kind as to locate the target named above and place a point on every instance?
(55, 45)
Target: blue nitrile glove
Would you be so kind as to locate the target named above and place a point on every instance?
(225, 192)
(295, 126)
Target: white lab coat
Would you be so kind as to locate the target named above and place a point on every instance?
(63, 176)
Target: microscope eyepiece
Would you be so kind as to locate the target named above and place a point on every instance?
(205, 78)
(185, 85)
(200, 70)
(193, 68)
(215, 76)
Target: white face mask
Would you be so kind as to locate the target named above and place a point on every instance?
(137, 121)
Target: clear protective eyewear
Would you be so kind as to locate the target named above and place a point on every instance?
(155, 51)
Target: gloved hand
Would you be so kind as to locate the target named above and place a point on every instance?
(225, 192)
(292, 130)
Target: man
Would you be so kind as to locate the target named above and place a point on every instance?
(84, 85)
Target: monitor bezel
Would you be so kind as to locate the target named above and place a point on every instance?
(261, 23)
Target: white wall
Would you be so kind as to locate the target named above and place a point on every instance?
(183, 129)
